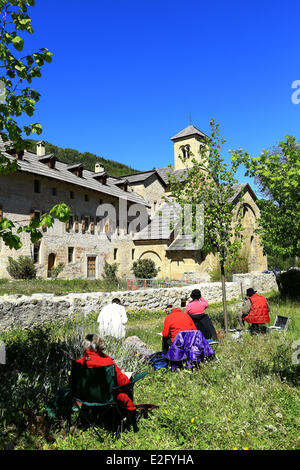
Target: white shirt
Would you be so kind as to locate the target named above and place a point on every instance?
(112, 319)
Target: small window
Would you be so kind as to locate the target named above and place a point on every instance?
(115, 253)
(86, 197)
(36, 252)
(37, 186)
(71, 195)
(53, 191)
(70, 254)
(132, 253)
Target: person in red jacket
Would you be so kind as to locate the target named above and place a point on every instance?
(175, 321)
(94, 357)
(255, 311)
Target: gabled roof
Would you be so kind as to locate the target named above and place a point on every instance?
(242, 187)
(31, 164)
(135, 177)
(187, 132)
(141, 177)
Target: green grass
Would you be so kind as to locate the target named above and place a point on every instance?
(247, 399)
(55, 286)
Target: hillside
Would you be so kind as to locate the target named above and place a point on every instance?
(89, 160)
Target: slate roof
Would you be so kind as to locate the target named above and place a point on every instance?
(167, 171)
(32, 164)
(188, 131)
(136, 177)
(142, 177)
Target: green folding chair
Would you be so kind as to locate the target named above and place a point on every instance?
(96, 389)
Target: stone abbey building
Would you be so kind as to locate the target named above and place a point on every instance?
(117, 219)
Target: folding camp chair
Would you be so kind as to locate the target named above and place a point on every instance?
(96, 389)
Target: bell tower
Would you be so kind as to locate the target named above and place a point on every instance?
(187, 144)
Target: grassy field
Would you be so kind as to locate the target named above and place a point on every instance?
(248, 398)
(54, 286)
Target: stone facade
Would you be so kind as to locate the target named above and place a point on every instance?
(22, 311)
(84, 243)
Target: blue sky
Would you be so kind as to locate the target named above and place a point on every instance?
(126, 76)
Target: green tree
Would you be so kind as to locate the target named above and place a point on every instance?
(144, 269)
(210, 183)
(278, 175)
(18, 99)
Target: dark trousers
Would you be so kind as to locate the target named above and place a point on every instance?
(203, 323)
(257, 328)
(165, 344)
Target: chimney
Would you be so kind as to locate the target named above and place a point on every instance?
(40, 149)
(99, 168)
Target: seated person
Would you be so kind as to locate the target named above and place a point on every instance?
(112, 319)
(175, 321)
(94, 357)
(196, 310)
(255, 311)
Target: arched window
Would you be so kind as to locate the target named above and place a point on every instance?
(185, 149)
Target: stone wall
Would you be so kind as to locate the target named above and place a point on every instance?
(25, 311)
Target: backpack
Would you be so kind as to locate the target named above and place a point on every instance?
(158, 360)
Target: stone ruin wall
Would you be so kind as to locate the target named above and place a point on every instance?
(25, 311)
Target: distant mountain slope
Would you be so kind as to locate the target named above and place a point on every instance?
(89, 160)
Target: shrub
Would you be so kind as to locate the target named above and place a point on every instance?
(289, 283)
(22, 268)
(144, 269)
(109, 275)
(238, 266)
(54, 272)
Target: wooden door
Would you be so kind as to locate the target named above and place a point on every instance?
(91, 267)
(51, 263)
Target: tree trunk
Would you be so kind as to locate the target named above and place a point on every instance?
(224, 297)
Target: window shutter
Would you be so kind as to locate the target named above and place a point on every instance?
(92, 225)
(83, 225)
(76, 224)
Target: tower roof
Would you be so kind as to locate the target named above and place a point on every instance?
(188, 131)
